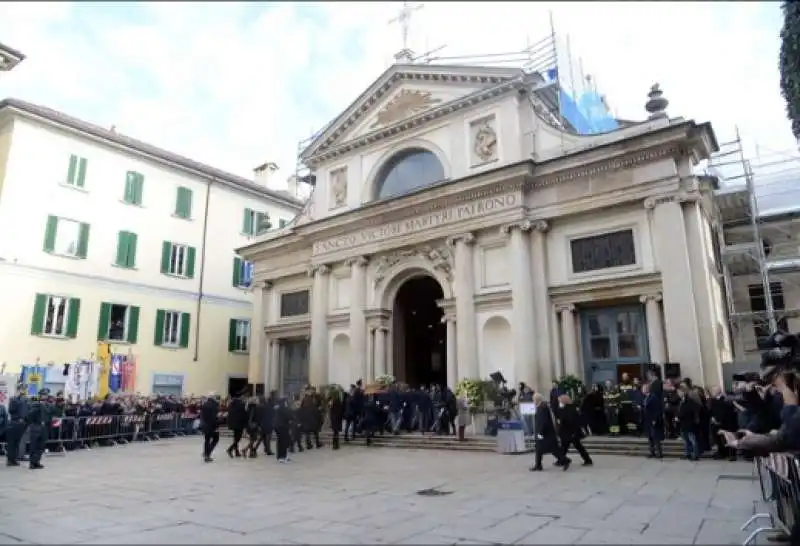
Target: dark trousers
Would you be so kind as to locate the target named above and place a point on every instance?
(654, 442)
(349, 429)
(237, 437)
(14, 434)
(578, 445)
(558, 454)
(37, 440)
(266, 438)
(335, 439)
(210, 441)
(312, 435)
(283, 440)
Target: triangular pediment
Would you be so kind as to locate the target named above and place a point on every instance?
(404, 91)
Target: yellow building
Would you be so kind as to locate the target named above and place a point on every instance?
(108, 239)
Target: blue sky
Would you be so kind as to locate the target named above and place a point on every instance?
(235, 84)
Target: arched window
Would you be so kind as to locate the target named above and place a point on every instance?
(408, 171)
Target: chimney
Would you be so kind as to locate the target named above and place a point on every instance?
(263, 173)
(291, 185)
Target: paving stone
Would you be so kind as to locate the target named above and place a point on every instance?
(160, 493)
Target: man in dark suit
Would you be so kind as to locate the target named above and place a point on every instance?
(546, 436)
(570, 429)
(653, 418)
(209, 422)
(237, 422)
(15, 429)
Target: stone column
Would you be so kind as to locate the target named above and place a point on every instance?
(318, 369)
(370, 375)
(274, 365)
(358, 324)
(557, 347)
(466, 331)
(525, 339)
(542, 309)
(380, 350)
(668, 228)
(655, 328)
(255, 359)
(569, 337)
(452, 351)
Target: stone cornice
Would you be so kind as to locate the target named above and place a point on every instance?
(493, 300)
(327, 154)
(377, 314)
(620, 286)
(289, 327)
(676, 197)
(338, 319)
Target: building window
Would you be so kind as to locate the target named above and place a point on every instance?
(172, 328)
(255, 223)
(66, 237)
(239, 336)
(76, 171)
(408, 171)
(126, 249)
(294, 303)
(177, 260)
(282, 223)
(183, 203)
(134, 187)
(615, 249)
(242, 273)
(758, 305)
(118, 323)
(55, 316)
(599, 336)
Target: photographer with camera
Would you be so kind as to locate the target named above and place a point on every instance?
(779, 368)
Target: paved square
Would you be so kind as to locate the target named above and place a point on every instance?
(162, 493)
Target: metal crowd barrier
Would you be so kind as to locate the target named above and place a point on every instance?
(779, 480)
(65, 434)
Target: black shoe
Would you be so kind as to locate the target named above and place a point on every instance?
(651, 455)
(588, 463)
(319, 446)
(567, 462)
(36, 467)
(309, 447)
(237, 453)
(535, 469)
(208, 460)
(229, 451)
(12, 463)
(269, 453)
(253, 454)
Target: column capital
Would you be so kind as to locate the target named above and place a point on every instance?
(540, 226)
(320, 269)
(382, 329)
(678, 197)
(268, 285)
(465, 238)
(357, 261)
(565, 308)
(656, 297)
(524, 227)
(448, 319)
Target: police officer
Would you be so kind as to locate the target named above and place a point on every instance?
(37, 414)
(626, 414)
(17, 422)
(611, 399)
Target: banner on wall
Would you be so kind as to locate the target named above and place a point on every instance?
(102, 369)
(32, 379)
(129, 374)
(115, 373)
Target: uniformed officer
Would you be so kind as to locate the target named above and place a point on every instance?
(626, 414)
(37, 414)
(611, 399)
(17, 422)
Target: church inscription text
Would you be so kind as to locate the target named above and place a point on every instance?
(433, 219)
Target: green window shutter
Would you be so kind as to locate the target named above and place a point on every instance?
(190, 257)
(39, 310)
(138, 188)
(237, 271)
(248, 222)
(122, 249)
(183, 204)
(159, 333)
(282, 223)
(133, 324)
(260, 221)
(103, 320)
(72, 170)
(130, 187)
(133, 239)
(166, 251)
(73, 314)
(186, 320)
(83, 241)
(232, 335)
(50, 234)
(81, 172)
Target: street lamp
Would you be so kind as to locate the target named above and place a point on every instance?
(9, 58)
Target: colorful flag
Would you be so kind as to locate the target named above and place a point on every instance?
(33, 379)
(103, 365)
(115, 373)
(129, 374)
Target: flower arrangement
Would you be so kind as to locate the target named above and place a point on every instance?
(331, 391)
(385, 380)
(571, 385)
(474, 391)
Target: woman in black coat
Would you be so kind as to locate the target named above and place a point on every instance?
(688, 417)
(336, 415)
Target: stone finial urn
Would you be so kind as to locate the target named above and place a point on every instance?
(656, 104)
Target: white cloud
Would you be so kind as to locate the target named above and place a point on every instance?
(235, 84)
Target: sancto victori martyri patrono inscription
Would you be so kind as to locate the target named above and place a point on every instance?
(435, 218)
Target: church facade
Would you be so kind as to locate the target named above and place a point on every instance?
(457, 228)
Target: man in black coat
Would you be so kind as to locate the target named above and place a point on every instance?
(570, 428)
(283, 425)
(653, 418)
(546, 436)
(15, 429)
(237, 422)
(723, 417)
(336, 415)
(36, 440)
(266, 414)
(209, 423)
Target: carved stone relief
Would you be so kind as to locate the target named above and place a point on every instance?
(440, 258)
(338, 185)
(483, 135)
(407, 103)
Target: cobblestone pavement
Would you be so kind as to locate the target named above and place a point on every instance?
(162, 493)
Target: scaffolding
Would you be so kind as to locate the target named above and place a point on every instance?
(757, 242)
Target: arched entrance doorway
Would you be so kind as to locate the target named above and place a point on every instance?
(419, 337)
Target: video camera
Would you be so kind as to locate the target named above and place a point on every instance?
(504, 395)
(781, 355)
